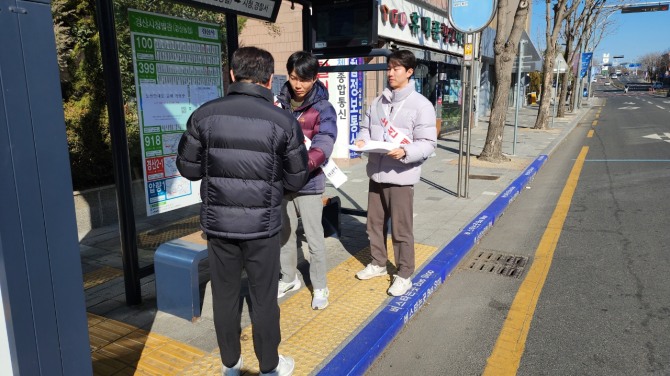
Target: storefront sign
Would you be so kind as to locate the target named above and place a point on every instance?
(467, 52)
(410, 23)
(177, 65)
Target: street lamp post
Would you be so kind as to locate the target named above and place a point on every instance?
(518, 92)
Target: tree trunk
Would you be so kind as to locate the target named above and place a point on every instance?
(548, 69)
(492, 151)
(506, 47)
(575, 94)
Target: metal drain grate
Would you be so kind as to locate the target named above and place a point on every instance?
(497, 263)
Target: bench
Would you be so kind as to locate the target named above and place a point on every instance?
(176, 265)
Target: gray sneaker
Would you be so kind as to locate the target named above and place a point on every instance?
(284, 368)
(320, 299)
(400, 286)
(372, 271)
(286, 287)
(235, 370)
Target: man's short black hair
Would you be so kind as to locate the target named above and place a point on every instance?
(303, 64)
(252, 64)
(403, 58)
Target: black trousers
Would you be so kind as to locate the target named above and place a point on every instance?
(260, 258)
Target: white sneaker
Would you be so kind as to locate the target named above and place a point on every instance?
(372, 271)
(286, 287)
(236, 370)
(284, 368)
(320, 299)
(400, 286)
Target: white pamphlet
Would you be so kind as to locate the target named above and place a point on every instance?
(330, 169)
(375, 147)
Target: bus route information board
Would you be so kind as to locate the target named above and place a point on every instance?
(177, 64)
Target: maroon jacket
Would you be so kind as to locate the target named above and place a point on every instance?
(318, 121)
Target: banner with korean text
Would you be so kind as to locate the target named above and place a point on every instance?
(345, 91)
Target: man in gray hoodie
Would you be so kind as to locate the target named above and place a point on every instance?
(404, 117)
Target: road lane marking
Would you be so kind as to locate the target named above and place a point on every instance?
(509, 347)
(590, 134)
(663, 137)
(628, 160)
(595, 122)
(598, 115)
(661, 107)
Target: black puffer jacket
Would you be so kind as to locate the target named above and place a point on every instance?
(247, 152)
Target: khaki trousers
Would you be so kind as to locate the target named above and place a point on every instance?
(397, 203)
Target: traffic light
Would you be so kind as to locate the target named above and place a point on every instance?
(645, 8)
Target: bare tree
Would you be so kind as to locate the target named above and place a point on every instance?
(650, 62)
(506, 46)
(579, 29)
(561, 10)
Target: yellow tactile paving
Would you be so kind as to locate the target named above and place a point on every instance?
(100, 276)
(104, 365)
(308, 360)
(307, 335)
(209, 364)
(121, 349)
(197, 238)
(310, 336)
(152, 239)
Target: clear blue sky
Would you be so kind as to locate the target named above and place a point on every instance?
(631, 35)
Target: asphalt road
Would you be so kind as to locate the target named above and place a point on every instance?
(604, 308)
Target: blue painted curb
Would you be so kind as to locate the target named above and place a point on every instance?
(357, 356)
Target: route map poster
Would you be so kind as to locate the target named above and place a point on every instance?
(177, 65)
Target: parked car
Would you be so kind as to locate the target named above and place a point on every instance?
(607, 83)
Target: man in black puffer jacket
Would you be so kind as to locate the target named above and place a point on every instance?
(247, 153)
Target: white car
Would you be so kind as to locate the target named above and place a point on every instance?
(607, 83)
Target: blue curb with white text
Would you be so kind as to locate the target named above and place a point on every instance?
(357, 356)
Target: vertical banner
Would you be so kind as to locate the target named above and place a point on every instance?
(345, 92)
(585, 62)
(355, 104)
(338, 93)
(177, 65)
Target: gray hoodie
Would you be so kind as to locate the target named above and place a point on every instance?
(414, 116)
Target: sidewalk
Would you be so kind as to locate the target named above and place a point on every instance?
(141, 340)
